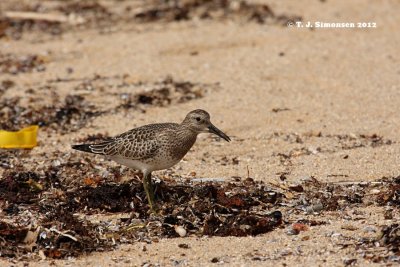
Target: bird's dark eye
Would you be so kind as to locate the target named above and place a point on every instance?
(198, 119)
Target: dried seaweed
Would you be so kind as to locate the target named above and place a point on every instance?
(167, 11)
(15, 28)
(53, 203)
(93, 14)
(335, 142)
(390, 236)
(73, 112)
(70, 115)
(13, 64)
(362, 140)
(208, 209)
(338, 196)
(163, 93)
(91, 10)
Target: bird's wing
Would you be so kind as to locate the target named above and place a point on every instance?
(139, 143)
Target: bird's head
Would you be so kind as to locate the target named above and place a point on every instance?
(199, 121)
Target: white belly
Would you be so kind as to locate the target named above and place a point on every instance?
(146, 166)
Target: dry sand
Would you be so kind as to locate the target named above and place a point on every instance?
(333, 81)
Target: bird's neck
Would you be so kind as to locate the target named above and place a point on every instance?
(186, 134)
(186, 138)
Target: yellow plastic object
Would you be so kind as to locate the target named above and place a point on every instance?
(24, 138)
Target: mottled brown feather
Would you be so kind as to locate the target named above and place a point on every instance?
(144, 142)
(155, 146)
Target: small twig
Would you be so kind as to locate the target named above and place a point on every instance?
(60, 18)
(63, 234)
(276, 185)
(134, 227)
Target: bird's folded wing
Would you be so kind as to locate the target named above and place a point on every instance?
(132, 145)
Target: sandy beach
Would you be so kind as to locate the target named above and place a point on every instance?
(298, 102)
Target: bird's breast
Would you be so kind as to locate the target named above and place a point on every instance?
(180, 146)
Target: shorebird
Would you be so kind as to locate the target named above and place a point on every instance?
(155, 146)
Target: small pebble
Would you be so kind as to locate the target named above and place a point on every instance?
(180, 230)
(314, 208)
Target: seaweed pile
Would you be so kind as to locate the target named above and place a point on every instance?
(46, 214)
(66, 115)
(168, 10)
(42, 217)
(74, 111)
(92, 14)
(13, 64)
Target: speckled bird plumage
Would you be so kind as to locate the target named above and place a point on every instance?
(155, 146)
(159, 146)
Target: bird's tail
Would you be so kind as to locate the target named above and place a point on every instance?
(91, 148)
(83, 147)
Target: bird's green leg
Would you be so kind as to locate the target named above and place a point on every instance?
(148, 188)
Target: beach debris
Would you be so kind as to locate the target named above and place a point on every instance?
(58, 16)
(48, 17)
(239, 10)
(15, 64)
(180, 230)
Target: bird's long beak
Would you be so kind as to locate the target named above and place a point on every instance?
(218, 132)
